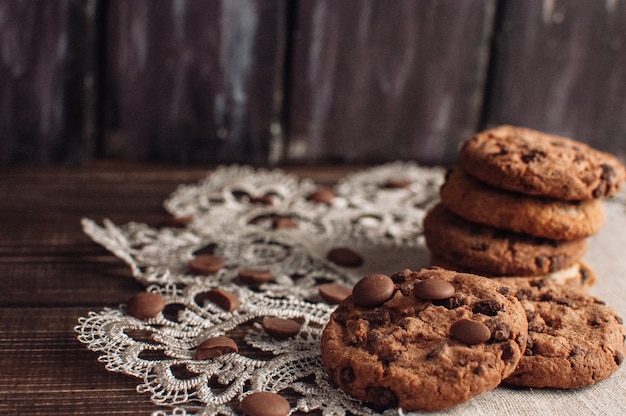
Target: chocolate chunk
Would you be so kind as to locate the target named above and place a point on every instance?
(534, 155)
(619, 358)
(433, 289)
(607, 178)
(334, 293)
(323, 195)
(377, 317)
(381, 397)
(373, 290)
(452, 302)
(346, 375)
(255, 276)
(343, 256)
(470, 332)
(145, 305)
(489, 307)
(280, 328)
(504, 290)
(206, 264)
(508, 352)
(265, 404)
(214, 347)
(222, 298)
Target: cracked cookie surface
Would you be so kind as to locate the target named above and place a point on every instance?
(426, 340)
(537, 163)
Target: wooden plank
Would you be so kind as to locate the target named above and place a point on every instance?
(374, 81)
(193, 81)
(46, 81)
(46, 371)
(560, 66)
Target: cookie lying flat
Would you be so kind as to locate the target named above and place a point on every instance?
(423, 340)
(580, 275)
(536, 163)
(575, 340)
(490, 251)
(535, 215)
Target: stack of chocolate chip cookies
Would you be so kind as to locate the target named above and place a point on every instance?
(522, 203)
(507, 301)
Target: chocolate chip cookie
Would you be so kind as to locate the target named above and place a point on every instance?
(536, 163)
(490, 251)
(574, 339)
(535, 215)
(424, 340)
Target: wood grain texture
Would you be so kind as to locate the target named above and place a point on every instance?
(382, 81)
(46, 81)
(560, 66)
(193, 81)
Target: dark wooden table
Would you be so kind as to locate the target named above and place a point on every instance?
(52, 274)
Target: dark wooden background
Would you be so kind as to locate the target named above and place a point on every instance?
(309, 81)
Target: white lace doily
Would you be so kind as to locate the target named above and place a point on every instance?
(382, 223)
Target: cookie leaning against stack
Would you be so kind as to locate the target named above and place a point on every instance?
(531, 198)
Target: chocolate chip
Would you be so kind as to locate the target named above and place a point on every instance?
(433, 289)
(470, 332)
(619, 358)
(452, 302)
(263, 200)
(214, 347)
(176, 222)
(284, 222)
(206, 264)
(381, 397)
(334, 293)
(323, 195)
(397, 183)
(607, 178)
(499, 330)
(530, 344)
(576, 352)
(373, 290)
(255, 276)
(508, 352)
(524, 294)
(489, 307)
(265, 404)
(222, 298)
(541, 261)
(346, 375)
(480, 370)
(533, 156)
(145, 305)
(280, 328)
(504, 290)
(343, 256)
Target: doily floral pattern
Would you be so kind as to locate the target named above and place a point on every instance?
(376, 212)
